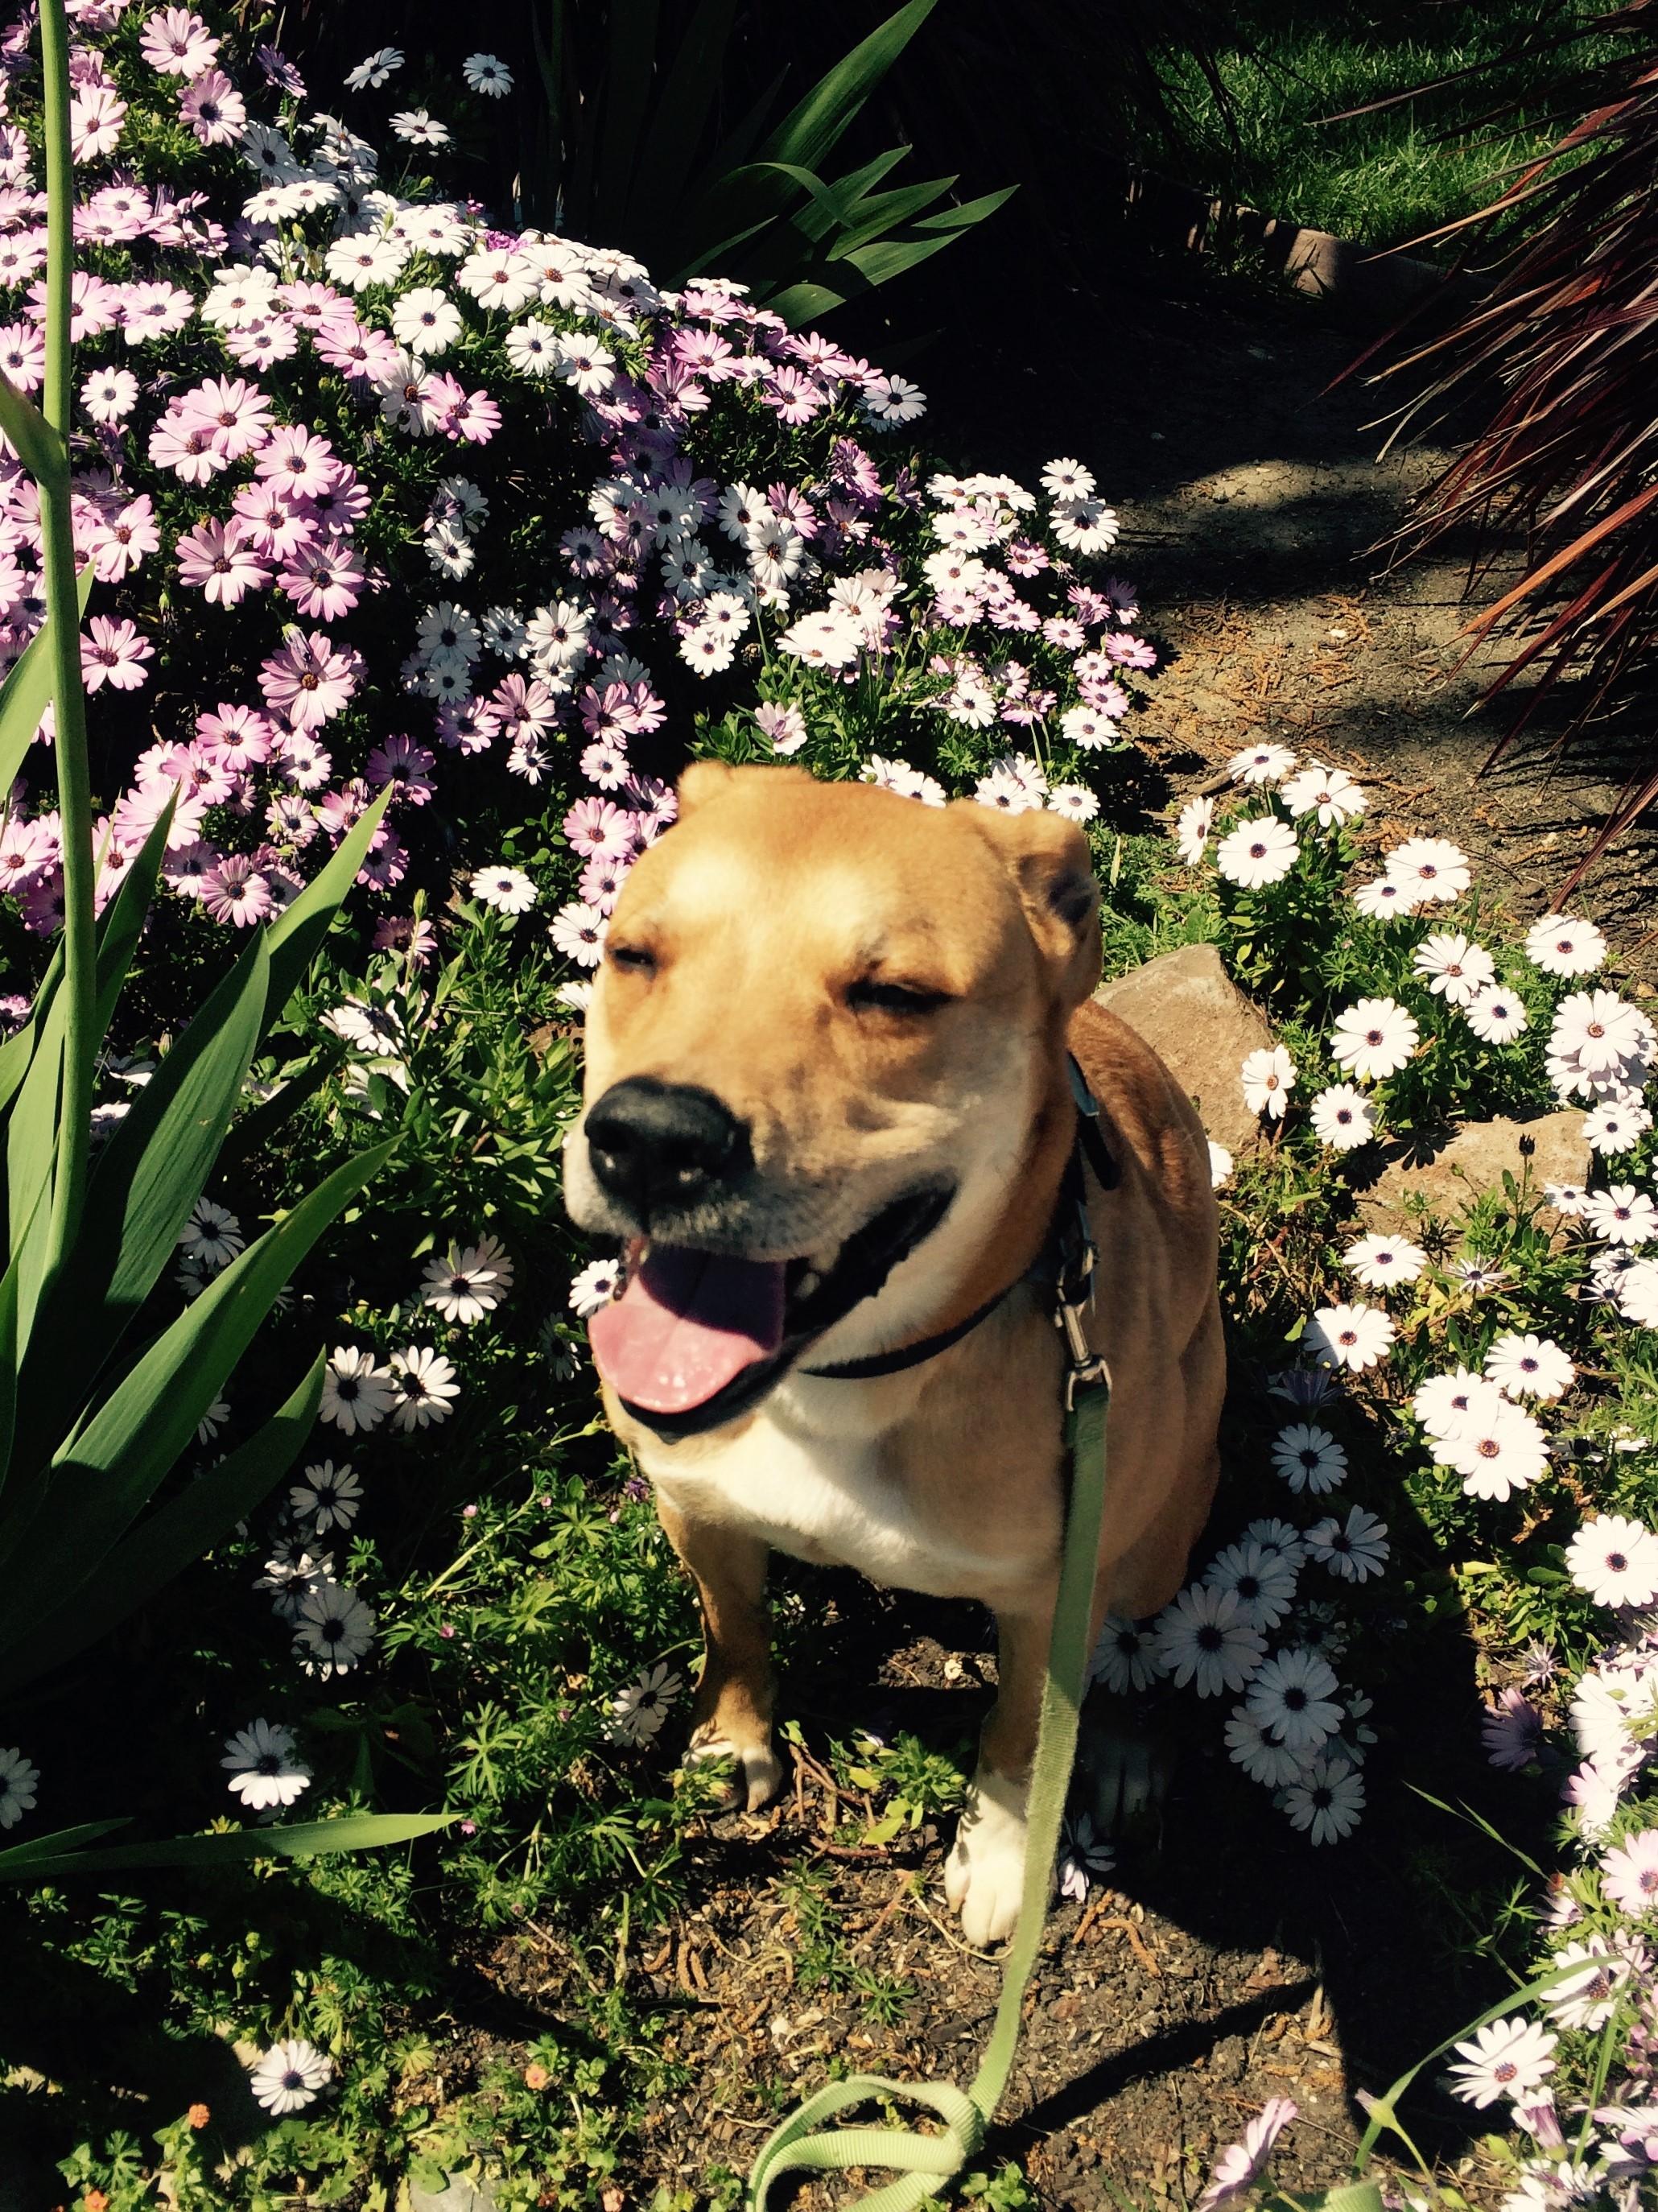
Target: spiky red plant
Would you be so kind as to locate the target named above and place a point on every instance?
(1558, 354)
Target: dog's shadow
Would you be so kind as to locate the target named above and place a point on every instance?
(1400, 1929)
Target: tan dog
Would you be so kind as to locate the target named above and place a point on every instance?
(829, 1110)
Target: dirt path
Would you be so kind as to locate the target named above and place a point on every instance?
(1250, 496)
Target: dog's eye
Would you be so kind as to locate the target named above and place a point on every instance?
(633, 959)
(894, 998)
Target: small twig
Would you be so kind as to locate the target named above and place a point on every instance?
(884, 1915)
(1142, 1950)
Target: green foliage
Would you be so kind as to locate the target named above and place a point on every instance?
(639, 155)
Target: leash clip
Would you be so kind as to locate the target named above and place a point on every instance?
(1086, 1369)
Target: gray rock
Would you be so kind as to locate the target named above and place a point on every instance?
(1451, 1170)
(461, 2194)
(1202, 1027)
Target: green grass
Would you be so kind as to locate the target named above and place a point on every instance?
(1382, 178)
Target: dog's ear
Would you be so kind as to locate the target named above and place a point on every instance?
(702, 781)
(1054, 870)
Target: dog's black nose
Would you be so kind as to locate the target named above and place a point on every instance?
(658, 1146)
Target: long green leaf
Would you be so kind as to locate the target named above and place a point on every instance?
(23, 1856)
(40, 448)
(153, 1170)
(26, 692)
(165, 1544)
(883, 211)
(104, 1479)
(8, 1365)
(854, 194)
(30, 1157)
(810, 129)
(292, 939)
(632, 60)
(302, 1839)
(261, 1123)
(683, 108)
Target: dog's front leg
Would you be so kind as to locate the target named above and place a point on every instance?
(730, 1716)
(984, 1873)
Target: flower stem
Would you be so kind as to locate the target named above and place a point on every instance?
(64, 626)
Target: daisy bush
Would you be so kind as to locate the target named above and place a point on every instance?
(382, 502)
(1451, 1410)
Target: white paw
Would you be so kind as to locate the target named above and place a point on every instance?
(758, 1773)
(984, 1873)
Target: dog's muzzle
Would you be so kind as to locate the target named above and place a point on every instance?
(697, 1337)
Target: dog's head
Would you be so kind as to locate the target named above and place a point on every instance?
(826, 1020)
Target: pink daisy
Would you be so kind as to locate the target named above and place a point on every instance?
(114, 655)
(309, 681)
(218, 560)
(324, 581)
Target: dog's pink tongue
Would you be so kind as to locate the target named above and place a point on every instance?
(688, 1324)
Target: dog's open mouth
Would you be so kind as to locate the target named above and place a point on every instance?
(697, 1337)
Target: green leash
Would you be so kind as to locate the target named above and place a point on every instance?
(800, 2144)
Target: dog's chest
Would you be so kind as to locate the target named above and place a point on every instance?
(836, 1500)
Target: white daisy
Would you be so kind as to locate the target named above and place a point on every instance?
(356, 1393)
(425, 1383)
(1342, 1118)
(1496, 1015)
(1083, 1857)
(1622, 1214)
(1261, 764)
(1380, 1261)
(1268, 1077)
(1294, 1693)
(212, 1236)
(1430, 869)
(461, 1285)
(1353, 1336)
(1529, 1367)
(638, 1712)
(1589, 1999)
(1636, 1294)
(1327, 1801)
(1329, 794)
(1125, 1658)
(1453, 967)
(334, 1629)
(1276, 1535)
(1614, 1128)
(1446, 1404)
(1509, 2058)
(1221, 1164)
(329, 1496)
(265, 1770)
(1260, 1752)
(1495, 1454)
(1374, 1038)
(1562, 945)
(1355, 1549)
(1567, 1198)
(487, 73)
(1382, 898)
(1205, 1638)
(1197, 819)
(290, 2077)
(1615, 1560)
(1262, 1581)
(595, 1287)
(18, 1779)
(371, 73)
(1258, 852)
(1309, 1459)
